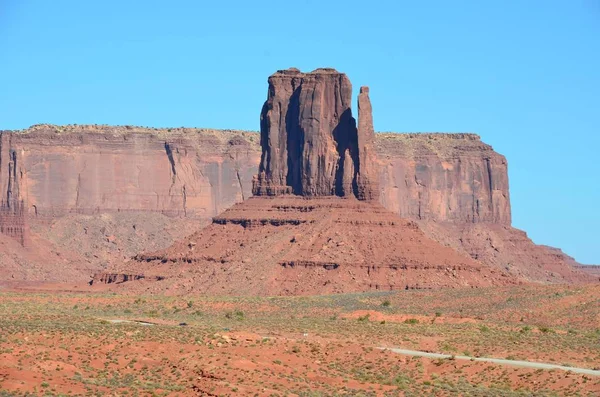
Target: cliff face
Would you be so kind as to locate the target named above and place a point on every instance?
(92, 169)
(443, 177)
(199, 173)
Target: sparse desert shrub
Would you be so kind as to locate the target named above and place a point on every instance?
(386, 303)
(525, 329)
(364, 318)
(411, 321)
(152, 313)
(237, 314)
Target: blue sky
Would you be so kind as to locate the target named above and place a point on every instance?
(525, 75)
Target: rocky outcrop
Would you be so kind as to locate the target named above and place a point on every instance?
(593, 270)
(117, 278)
(310, 143)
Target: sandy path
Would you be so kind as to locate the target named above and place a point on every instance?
(501, 361)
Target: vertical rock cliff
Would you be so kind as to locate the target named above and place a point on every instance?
(95, 169)
(311, 145)
(9, 169)
(443, 177)
(13, 220)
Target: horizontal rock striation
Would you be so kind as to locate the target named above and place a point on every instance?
(118, 278)
(291, 245)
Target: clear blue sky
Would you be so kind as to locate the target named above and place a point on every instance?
(525, 75)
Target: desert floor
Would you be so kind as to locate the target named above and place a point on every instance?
(90, 342)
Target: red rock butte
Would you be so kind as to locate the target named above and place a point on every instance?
(313, 226)
(310, 143)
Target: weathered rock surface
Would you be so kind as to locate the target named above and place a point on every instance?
(94, 169)
(312, 146)
(13, 220)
